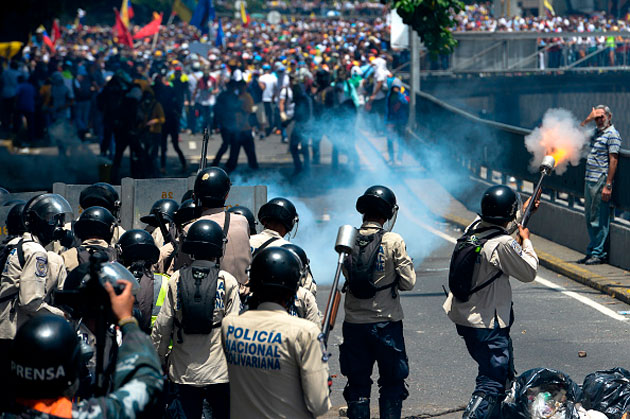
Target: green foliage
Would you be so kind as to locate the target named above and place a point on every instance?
(432, 20)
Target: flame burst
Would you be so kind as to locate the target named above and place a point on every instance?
(559, 136)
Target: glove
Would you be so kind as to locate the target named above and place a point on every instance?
(283, 116)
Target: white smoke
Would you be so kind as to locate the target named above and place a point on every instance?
(561, 136)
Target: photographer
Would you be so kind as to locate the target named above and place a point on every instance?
(45, 385)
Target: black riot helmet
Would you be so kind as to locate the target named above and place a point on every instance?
(137, 245)
(212, 186)
(275, 268)
(378, 200)
(299, 252)
(186, 212)
(187, 195)
(101, 194)
(95, 223)
(166, 207)
(204, 240)
(45, 358)
(45, 215)
(247, 213)
(499, 205)
(15, 220)
(281, 210)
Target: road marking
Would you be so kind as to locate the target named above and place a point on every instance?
(192, 145)
(542, 281)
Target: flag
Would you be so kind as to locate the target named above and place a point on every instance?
(45, 37)
(549, 6)
(78, 22)
(124, 12)
(56, 31)
(130, 12)
(150, 29)
(204, 12)
(183, 10)
(121, 32)
(244, 15)
(218, 42)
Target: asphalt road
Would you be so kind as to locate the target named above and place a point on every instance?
(550, 328)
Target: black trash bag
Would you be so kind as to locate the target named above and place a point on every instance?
(608, 392)
(555, 386)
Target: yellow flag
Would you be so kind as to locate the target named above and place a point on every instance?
(549, 6)
(182, 10)
(124, 13)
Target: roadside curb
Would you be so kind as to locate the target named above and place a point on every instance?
(570, 270)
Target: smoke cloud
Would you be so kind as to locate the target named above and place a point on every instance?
(560, 136)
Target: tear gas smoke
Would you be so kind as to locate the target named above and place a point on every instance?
(559, 136)
(328, 201)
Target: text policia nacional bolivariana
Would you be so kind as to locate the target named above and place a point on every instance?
(255, 349)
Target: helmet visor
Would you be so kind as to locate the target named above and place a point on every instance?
(53, 209)
(389, 224)
(113, 271)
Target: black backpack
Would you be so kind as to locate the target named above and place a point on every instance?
(196, 294)
(84, 253)
(360, 266)
(465, 257)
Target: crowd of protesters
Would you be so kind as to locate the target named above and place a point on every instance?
(556, 51)
(303, 80)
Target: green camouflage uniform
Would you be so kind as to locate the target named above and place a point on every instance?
(137, 380)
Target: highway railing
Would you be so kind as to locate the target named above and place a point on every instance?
(496, 152)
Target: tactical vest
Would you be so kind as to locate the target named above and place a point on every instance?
(196, 296)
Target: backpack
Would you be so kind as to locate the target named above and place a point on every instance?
(465, 256)
(360, 265)
(84, 253)
(196, 294)
(5, 252)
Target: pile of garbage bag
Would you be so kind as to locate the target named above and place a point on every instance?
(544, 393)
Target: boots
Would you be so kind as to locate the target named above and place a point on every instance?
(480, 406)
(390, 408)
(359, 409)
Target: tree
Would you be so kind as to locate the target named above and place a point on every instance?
(432, 20)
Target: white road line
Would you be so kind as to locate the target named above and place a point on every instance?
(192, 145)
(542, 281)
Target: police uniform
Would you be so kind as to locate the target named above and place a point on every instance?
(71, 256)
(275, 365)
(198, 361)
(137, 377)
(372, 328)
(484, 320)
(305, 306)
(237, 256)
(27, 284)
(267, 234)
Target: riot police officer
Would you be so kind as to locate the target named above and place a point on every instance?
(31, 273)
(305, 304)
(196, 363)
(484, 320)
(14, 222)
(95, 228)
(104, 195)
(165, 209)
(138, 253)
(184, 216)
(372, 328)
(211, 189)
(247, 213)
(46, 384)
(279, 217)
(274, 359)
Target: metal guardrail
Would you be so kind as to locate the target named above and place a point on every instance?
(486, 148)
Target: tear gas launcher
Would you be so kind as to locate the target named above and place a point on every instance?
(204, 149)
(346, 237)
(546, 167)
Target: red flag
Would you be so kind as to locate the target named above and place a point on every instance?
(150, 29)
(121, 32)
(56, 32)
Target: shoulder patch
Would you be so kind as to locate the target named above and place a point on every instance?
(517, 247)
(41, 267)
